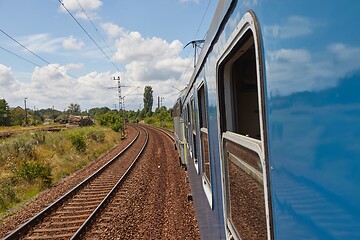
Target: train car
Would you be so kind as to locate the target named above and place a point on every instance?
(271, 121)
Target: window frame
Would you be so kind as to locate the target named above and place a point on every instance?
(229, 54)
(193, 135)
(207, 183)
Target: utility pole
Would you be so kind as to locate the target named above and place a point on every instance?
(122, 118)
(26, 120)
(119, 92)
(121, 103)
(160, 102)
(53, 113)
(161, 99)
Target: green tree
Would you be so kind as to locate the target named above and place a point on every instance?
(5, 118)
(112, 120)
(74, 109)
(98, 111)
(148, 100)
(17, 116)
(48, 113)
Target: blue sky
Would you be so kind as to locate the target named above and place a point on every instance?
(143, 39)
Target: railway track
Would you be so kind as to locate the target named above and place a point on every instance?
(71, 215)
(152, 203)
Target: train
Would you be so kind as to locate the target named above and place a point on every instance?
(268, 126)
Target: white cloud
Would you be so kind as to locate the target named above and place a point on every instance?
(88, 5)
(7, 80)
(50, 86)
(113, 30)
(295, 26)
(345, 53)
(249, 3)
(10, 88)
(190, 1)
(41, 43)
(297, 70)
(74, 66)
(149, 59)
(291, 55)
(72, 43)
(145, 61)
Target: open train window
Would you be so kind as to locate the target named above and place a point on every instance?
(205, 155)
(240, 83)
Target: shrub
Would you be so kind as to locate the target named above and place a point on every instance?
(7, 194)
(78, 141)
(39, 137)
(33, 170)
(150, 121)
(97, 136)
(116, 126)
(112, 120)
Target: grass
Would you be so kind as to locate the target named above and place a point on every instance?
(27, 128)
(31, 162)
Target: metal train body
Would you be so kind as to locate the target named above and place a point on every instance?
(268, 125)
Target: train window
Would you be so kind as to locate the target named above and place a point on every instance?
(186, 116)
(196, 164)
(189, 130)
(245, 191)
(205, 155)
(240, 101)
(240, 96)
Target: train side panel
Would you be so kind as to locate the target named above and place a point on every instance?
(312, 56)
(279, 81)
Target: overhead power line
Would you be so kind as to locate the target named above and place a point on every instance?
(24, 47)
(36, 55)
(37, 65)
(202, 19)
(197, 32)
(92, 39)
(19, 56)
(93, 24)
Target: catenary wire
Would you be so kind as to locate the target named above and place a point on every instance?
(92, 39)
(37, 65)
(8, 51)
(93, 24)
(197, 32)
(202, 19)
(36, 55)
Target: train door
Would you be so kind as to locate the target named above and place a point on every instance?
(242, 122)
(205, 157)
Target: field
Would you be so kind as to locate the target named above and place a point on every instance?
(32, 159)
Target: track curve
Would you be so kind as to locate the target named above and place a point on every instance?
(69, 216)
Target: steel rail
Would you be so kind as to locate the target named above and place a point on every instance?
(164, 130)
(20, 231)
(82, 229)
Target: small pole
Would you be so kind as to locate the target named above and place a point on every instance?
(26, 120)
